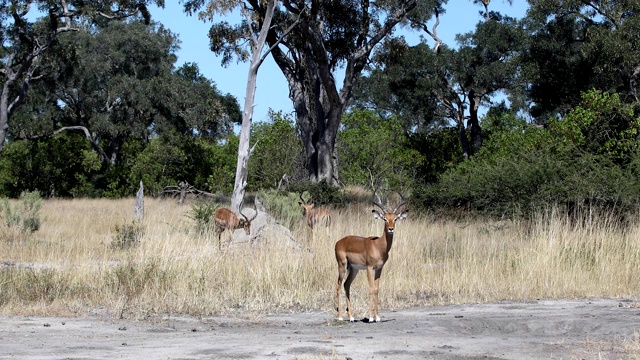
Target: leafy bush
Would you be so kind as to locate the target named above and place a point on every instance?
(222, 166)
(321, 192)
(62, 166)
(278, 152)
(282, 205)
(601, 124)
(202, 214)
(375, 153)
(520, 183)
(25, 215)
(127, 236)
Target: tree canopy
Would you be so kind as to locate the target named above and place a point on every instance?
(518, 113)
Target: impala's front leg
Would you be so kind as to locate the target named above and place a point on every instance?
(376, 292)
(373, 296)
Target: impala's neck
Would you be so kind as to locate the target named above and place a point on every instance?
(388, 238)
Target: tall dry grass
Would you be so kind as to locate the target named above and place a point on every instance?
(69, 266)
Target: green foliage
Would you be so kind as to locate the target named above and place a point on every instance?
(159, 165)
(594, 39)
(60, 166)
(588, 158)
(278, 152)
(600, 124)
(142, 117)
(282, 205)
(374, 152)
(25, 214)
(202, 214)
(396, 85)
(506, 132)
(321, 193)
(223, 164)
(440, 151)
(522, 182)
(127, 236)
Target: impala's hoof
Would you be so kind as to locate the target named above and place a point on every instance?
(372, 320)
(351, 319)
(340, 318)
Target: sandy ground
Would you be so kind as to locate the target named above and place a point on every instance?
(558, 329)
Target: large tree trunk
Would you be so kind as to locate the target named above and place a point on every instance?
(473, 123)
(318, 102)
(318, 122)
(4, 114)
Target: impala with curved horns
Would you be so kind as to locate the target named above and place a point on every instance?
(355, 253)
(225, 219)
(314, 216)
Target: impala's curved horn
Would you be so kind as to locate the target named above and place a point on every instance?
(245, 216)
(254, 215)
(378, 202)
(303, 201)
(399, 206)
(403, 202)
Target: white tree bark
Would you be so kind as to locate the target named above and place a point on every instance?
(242, 168)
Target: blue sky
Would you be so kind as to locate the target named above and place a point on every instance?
(272, 91)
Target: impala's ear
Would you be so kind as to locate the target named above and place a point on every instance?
(299, 203)
(403, 215)
(377, 215)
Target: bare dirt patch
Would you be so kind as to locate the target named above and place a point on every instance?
(542, 329)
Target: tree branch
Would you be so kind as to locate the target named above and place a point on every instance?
(280, 40)
(433, 33)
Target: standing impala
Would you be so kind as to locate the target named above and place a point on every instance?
(355, 253)
(225, 219)
(314, 216)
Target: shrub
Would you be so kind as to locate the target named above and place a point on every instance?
(282, 205)
(375, 152)
(202, 214)
(321, 192)
(24, 216)
(520, 183)
(127, 236)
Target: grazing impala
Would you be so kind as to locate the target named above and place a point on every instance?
(314, 216)
(355, 253)
(226, 220)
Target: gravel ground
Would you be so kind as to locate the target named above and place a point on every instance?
(541, 329)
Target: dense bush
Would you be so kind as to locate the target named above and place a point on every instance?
(520, 183)
(321, 193)
(278, 156)
(374, 153)
(588, 159)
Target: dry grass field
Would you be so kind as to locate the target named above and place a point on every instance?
(70, 266)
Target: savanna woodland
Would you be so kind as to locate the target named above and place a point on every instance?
(516, 150)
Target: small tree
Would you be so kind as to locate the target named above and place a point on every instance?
(258, 18)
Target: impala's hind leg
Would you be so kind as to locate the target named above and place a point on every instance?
(347, 289)
(342, 269)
